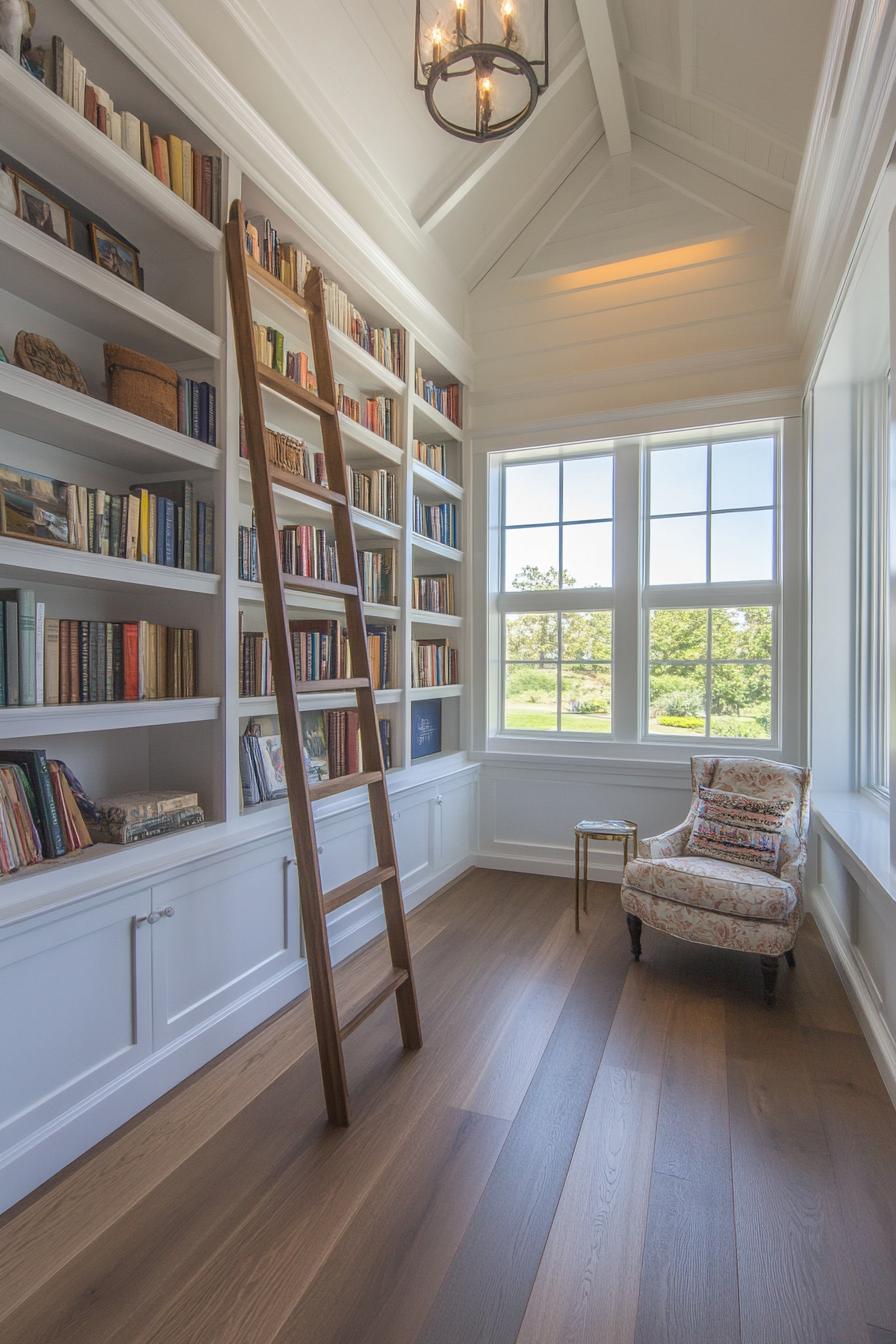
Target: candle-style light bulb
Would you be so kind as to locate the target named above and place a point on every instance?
(507, 19)
(460, 21)
(438, 38)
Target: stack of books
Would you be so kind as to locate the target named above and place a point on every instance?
(433, 592)
(160, 523)
(377, 570)
(304, 550)
(432, 455)
(256, 672)
(197, 410)
(436, 521)
(128, 817)
(42, 810)
(433, 663)
(193, 176)
(444, 399)
(380, 645)
(51, 661)
(374, 492)
(289, 454)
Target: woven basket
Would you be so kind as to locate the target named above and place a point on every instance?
(141, 385)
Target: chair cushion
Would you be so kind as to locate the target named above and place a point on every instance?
(711, 884)
(738, 828)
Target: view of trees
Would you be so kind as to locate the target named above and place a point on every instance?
(739, 692)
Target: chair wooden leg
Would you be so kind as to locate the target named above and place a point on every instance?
(769, 978)
(790, 958)
(634, 929)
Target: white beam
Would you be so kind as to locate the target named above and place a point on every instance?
(594, 20)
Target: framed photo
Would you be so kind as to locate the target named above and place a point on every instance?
(115, 255)
(3, 358)
(37, 207)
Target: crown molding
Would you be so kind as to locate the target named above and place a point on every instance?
(151, 37)
(850, 139)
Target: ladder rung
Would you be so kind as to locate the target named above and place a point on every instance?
(324, 687)
(304, 583)
(356, 887)
(286, 387)
(300, 486)
(264, 277)
(342, 783)
(372, 1001)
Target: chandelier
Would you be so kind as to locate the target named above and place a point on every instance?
(478, 71)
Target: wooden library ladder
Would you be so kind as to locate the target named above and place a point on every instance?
(315, 903)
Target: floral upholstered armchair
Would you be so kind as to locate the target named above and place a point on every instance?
(723, 904)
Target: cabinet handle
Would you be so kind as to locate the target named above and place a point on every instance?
(152, 918)
(320, 849)
(168, 913)
(395, 816)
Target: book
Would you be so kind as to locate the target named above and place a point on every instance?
(46, 816)
(126, 809)
(426, 728)
(130, 833)
(130, 135)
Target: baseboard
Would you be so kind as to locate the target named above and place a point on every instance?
(69, 1135)
(854, 976)
(528, 861)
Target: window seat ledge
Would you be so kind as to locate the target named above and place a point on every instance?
(860, 828)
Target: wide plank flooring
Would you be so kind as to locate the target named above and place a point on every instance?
(585, 1151)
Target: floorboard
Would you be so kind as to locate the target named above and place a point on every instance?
(585, 1149)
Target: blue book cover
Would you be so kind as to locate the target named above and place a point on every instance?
(426, 728)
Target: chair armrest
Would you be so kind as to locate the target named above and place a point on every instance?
(669, 845)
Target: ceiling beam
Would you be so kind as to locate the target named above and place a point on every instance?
(594, 20)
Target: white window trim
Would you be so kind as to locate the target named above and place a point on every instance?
(872, 418)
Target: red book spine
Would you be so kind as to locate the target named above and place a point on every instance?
(130, 633)
(64, 655)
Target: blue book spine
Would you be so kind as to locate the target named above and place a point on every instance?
(203, 413)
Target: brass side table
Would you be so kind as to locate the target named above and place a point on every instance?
(584, 832)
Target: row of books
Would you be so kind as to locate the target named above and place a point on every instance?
(289, 454)
(432, 455)
(304, 550)
(40, 815)
(192, 175)
(433, 663)
(378, 414)
(433, 592)
(160, 523)
(437, 521)
(444, 399)
(291, 266)
(374, 491)
(320, 653)
(330, 740)
(377, 570)
(271, 350)
(52, 661)
(197, 410)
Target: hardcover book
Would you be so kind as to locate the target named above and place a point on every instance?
(426, 728)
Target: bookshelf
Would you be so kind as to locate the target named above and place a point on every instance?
(181, 317)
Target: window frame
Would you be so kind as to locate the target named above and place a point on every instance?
(556, 601)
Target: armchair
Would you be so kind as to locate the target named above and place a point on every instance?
(703, 900)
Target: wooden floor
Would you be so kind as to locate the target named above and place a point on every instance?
(585, 1150)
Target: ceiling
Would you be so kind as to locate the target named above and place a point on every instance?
(719, 85)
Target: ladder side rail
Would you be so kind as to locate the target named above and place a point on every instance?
(320, 970)
(380, 809)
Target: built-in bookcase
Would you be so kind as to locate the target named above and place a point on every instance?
(182, 318)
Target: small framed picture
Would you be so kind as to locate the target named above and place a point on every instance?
(39, 209)
(114, 255)
(3, 359)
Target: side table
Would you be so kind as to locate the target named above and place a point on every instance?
(586, 831)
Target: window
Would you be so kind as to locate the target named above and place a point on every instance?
(872, 586)
(558, 544)
(638, 589)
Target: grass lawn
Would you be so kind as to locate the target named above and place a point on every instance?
(544, 719)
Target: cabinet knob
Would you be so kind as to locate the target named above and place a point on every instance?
(168, 913)
(152, 918)
(320, 849)
(395, 816)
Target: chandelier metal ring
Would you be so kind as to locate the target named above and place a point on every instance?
(485, 57)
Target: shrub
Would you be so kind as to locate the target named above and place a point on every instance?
(680, 703)
(589, 706)
(680, 721)
(531, 684)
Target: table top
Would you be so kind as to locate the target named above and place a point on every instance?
(610, 827)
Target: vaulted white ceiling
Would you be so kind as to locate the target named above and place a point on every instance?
(723, 86)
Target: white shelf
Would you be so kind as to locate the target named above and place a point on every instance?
(421, 543)
(56, 278)
(73, 147)
(359, 442)
(39, 409)
(30, 721)
(258, 705)
(350, 362)
(438, 618)
(365, 438)
(252, 592)
(436, 692)
(31, 562)
(431, 484)
(292, 508)
(433, 422)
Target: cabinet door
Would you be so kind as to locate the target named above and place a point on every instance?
(413, 823)
(225, 928)
(74, 1010)
(456, 823)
